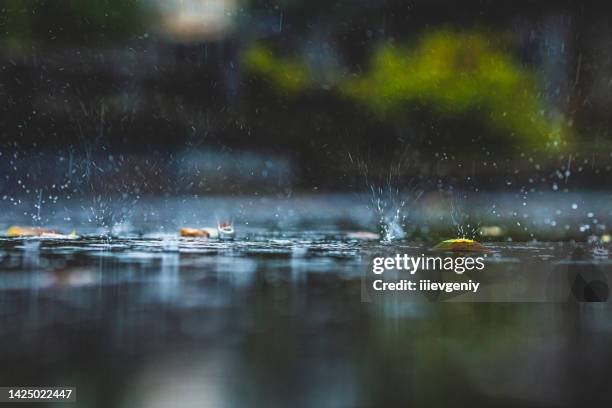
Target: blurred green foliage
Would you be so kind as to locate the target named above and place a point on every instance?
(285, 74)
(452, 74)
(23, 22)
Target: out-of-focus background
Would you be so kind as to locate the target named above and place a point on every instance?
(232, 96)
(329, 132)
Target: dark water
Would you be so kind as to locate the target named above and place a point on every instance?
(278, 318)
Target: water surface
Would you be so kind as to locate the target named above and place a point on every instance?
(278, 317)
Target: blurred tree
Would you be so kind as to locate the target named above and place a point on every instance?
(287, 75)
(454, 75)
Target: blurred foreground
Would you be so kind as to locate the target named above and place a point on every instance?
(278, 319)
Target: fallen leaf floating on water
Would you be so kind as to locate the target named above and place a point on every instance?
(16, 231)
(460, 245)
(223, 231)
(194, 233)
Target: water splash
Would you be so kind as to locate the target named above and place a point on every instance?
(463, 221)
(390, 202)
(392, 211)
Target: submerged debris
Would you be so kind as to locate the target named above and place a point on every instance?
(460, 245)
(16, 231)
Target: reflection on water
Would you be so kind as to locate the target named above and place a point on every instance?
(274, 320)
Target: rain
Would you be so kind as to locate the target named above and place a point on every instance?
(193, 193)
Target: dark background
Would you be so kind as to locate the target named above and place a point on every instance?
(129, 87)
